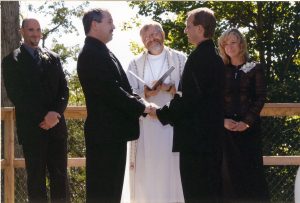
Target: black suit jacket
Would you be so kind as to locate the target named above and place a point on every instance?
(35, 90)
(113, 110)
(197, 116)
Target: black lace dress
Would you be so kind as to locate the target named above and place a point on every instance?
(243, 172)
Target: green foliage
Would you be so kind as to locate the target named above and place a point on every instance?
(76, 148)
(281, 135)
(77, 184)
(76, 96)
(135, 48)
(281, 182)
(62, 15)
(65, 53)
(76, 138)
(271, 29)
(161, 12)
(134, 22)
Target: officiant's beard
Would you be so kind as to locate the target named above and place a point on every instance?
(156, 49)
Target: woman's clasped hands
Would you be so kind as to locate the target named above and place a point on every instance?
(233, 125)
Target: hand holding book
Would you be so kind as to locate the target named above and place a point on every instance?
(158, 82)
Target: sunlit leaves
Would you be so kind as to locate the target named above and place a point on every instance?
(271, 29)
(61, 17)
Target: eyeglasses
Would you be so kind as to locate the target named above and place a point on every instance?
(152, 35)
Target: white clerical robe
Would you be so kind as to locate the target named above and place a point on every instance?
(152, 171)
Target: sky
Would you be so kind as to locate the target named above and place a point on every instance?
(119, 45)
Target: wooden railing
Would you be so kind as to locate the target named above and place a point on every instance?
(9, 163)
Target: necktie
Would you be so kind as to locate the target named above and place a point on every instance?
(36, 56)
(180, 86)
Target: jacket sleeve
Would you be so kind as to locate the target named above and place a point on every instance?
(62, 98)
(135, 84)
(12, 81)
(203, 92)
(96, 73)
(28, 102)
(182, 106)
(172, 113)
(259, 96)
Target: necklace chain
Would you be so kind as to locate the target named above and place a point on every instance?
(160, 68)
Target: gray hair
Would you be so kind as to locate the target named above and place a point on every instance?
(148, 24)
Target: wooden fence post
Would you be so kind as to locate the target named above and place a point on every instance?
(9, 155)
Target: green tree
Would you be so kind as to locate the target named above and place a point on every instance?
(62, 15)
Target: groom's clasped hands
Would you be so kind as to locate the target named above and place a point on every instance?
(151, 109)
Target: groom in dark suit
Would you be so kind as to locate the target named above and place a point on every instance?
(113, 110)
(197, 115)
(36, 84)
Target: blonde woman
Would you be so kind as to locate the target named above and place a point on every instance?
(244, 97)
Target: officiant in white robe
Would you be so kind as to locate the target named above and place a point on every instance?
(152, 168)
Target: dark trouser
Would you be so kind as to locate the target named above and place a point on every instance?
(48, 153)
(105, 169)
(200, 176)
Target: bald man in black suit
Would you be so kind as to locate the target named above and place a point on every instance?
(36, 84)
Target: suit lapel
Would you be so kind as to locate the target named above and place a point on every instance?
(31, 63)
(28, 69)
(26, 57)
(116, 63)
(120, 72)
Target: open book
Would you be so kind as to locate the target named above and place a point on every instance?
(158, 82)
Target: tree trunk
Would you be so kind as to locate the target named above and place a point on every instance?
(10, 37)
(10, 40)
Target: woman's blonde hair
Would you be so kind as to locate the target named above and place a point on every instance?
(224, 38)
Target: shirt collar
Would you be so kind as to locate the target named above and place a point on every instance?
(30, 49)
(95, 42)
